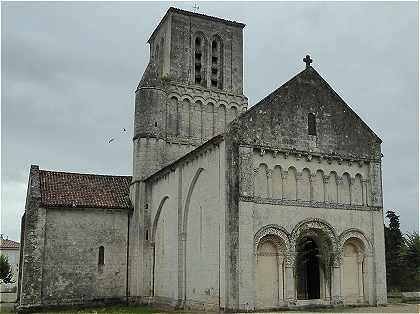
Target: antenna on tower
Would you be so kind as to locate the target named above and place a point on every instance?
(195, 7)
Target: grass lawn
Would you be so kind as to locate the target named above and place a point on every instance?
(115, 309)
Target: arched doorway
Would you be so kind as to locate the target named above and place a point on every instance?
(313, 267)
(269, 272)
(308, 270)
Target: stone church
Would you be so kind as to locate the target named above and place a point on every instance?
(275, 206)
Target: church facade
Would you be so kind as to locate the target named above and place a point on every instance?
(276, 206)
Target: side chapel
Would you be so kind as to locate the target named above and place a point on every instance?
(230, 208)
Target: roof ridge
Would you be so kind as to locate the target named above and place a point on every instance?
(205, 16)
(85, 174)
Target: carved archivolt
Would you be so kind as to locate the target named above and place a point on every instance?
(275, 230)
(356, 234)
(314, 224)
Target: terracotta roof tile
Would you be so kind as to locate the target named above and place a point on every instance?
(8, 244)
(64, 189)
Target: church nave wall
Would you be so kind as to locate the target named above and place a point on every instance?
(73, 268)
(185, 223)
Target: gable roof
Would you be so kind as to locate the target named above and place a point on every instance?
(8, 244)
(280, 121)
(65, 189)
(308, 74)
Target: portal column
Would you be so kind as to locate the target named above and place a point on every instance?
(299, 180)
(290, 278)
(360, 258)
(270, 183)
(336, 297)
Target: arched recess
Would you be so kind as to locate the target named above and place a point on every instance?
(185, 225)
(208, 120)
(156, 219)
(290, 184)
(358, 234)
(196, 119)
(172, 117)
(318, 186)
(354, 270)
(221, 118)
(261, 181)
(332, 188)
(185, 118)
(305, 189)
(233, 113)
(277, 183)
(345, 189)
(273, 229)
(356, 190)
(269, 271)
(159, 256)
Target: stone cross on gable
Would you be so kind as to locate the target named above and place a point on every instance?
(308, 61)
(195, 7)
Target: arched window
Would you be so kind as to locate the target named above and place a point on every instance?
(200, 57)
(101, 256)
(311, 124)
(216, 63)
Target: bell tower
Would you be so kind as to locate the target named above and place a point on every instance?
(191, 89)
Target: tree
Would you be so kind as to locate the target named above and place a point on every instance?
(6, 275)
(410, 256)
(394, 242)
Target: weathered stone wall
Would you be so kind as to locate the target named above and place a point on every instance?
(281, 121)
(184, 29)
(32, 241)
(173, 113)
(184, 231)
(71, 273)
(173, 120)
(255, 216)
(346, 203)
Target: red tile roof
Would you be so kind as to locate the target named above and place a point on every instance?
(64, 189)
(8, 244)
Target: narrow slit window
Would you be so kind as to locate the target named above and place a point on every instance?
(198, 61)
(311, 124)
(101, 256)
(216, 63)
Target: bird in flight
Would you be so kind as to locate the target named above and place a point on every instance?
(123, 130)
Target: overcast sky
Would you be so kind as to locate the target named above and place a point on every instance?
(69, 72)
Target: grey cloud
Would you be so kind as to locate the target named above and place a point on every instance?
(70, 70)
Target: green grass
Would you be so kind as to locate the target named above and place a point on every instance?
(112, 310)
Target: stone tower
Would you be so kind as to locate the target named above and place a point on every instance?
(191, 88)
